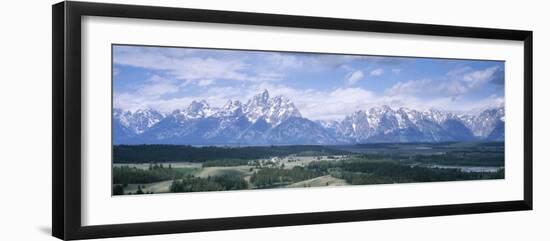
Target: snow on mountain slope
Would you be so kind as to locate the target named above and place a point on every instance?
(138, 121)
(484, 123)
(266, 120)
(273, 110)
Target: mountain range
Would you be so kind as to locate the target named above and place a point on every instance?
(265, 120)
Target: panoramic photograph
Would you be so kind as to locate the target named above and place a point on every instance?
(199, 119)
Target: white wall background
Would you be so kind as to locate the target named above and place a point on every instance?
(25, 119)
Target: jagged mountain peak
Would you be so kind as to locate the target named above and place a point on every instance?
(438, 116)
(231, 105)
(264, 94)
(266, 119)
(199, 109)
(485, 122)
(195, 106)
(139, 120)
(273, 110)
(261, 99)
(230, 108)
(380, 109)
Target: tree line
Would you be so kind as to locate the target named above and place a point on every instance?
(216, 183)
(185, 153)
(359, 172)
(269, 177)
(155, 173)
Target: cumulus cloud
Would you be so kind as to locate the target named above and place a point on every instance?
(157, 86)
(185, 64)
(332, 104)
(174, 77)
(153, 89)
(411, 87)
(447, 103)
(376, 72)
(354, 77)
(478, 78)
(193, 66)
(461, 81)
(205, 82)
(216, 96)
(335, 104)
(285, 61)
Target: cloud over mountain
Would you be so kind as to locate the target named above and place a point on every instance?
(268, 120)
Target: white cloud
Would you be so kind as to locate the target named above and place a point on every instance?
(453, 88)
(354, 77)
(284, 61)
(183, 65)
(182, 70)
(322, 105)
(447, 103)
(167, 105)
(209, 68)
(478, 78)
(471, 79)
(332, 104)
(376, 72)
(157, 86)
(206, 82)
(459, 71)
(460, 82)
(152, 90)
(411, 87)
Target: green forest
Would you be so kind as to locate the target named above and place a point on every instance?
(177, 153)
(146, 169)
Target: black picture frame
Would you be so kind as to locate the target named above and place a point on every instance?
(67, 134)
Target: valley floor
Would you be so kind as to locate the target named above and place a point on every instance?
(375, 164)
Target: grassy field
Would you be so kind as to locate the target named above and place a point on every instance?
(155, 187)
(321, 181)
(221, 171)
(291, 167)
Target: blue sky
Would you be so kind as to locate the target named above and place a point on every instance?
(322, 86)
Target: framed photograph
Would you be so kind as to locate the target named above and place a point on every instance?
(169, 120)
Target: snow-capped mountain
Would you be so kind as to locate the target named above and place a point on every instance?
(255, 122)
(384, 124)
(265, 120)
(138, 121)
(482, 125)
(273, 110)
(198, 109)
(231, 108)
